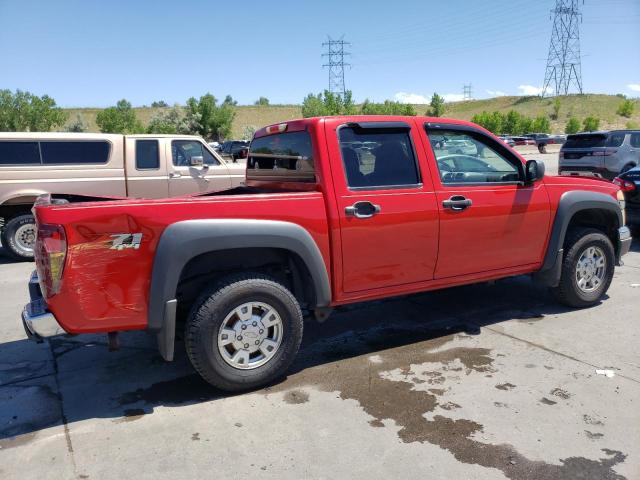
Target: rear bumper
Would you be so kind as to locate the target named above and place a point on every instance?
(38, 322)
(624, 241)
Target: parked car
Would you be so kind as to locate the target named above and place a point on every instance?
(520, 141)
(600, 154)
(87, 164)
(457, 146)
(544, 139)
(237, 270)
(507, 139)
(629, 183)
(234, 150)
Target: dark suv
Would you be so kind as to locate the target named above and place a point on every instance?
(600, 154)
(234, 149)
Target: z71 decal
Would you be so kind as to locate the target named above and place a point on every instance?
(125, 240)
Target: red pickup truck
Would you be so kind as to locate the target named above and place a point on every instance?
(336, 210)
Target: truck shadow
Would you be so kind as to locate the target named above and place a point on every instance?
(72, 379)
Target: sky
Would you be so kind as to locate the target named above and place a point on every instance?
(91, 54)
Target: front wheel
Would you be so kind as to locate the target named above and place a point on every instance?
(19, 236)
(244, 333)
(587, 268)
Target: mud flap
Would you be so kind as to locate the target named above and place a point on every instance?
(167, 335)
(551, 276)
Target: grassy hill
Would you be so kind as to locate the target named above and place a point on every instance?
(580, 106)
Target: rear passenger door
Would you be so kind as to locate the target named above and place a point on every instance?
(386, 205)
(146, 173)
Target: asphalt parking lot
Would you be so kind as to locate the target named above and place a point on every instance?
(486, 381)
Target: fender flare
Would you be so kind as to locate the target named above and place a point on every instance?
(182, 241)
(571, 203)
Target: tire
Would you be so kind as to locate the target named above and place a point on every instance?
(578, 242)
(18, 236)
(218, 307)
(542, 148)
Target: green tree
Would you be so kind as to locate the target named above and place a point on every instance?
(119, 119)
(159, 104)
(208, 119)
(590, 124)
(248, 131)
(262, 101)
(572, 126)
(387, 108)
(512, 124)
(625, 109)
(541, 124)
(327, 103)
(526, 125)
(78, 125)
(169, 121)
(492, 121)
(23, 111)
(229, 101)
(437, 106)
(556, 109)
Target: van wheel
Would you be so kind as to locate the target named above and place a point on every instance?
(587, 268)
(244, 333)
(19, 236)
(626, 168)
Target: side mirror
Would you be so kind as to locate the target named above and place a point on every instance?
(196, 161)
(534, 170)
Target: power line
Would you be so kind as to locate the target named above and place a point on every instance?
(335, 61)
(563, 62)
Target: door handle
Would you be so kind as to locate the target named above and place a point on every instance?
(457, 203)
(362, 209)
(175, 174)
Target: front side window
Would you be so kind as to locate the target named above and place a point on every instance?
(147, 155)
(468, 158)
(183, 150)
(19, 153)
(74, 153)
(375, 158)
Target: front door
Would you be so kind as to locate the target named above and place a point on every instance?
(489, 218)
(184, 178)
(388, 214)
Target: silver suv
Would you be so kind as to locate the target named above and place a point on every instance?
(600, 154)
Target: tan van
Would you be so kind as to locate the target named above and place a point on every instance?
(100, 165)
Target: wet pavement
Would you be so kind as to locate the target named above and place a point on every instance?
(485, 381)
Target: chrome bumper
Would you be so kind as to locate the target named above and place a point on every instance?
(38, 322)
(624, 241)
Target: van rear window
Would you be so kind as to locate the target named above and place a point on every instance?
(74, 153)
(585, 141)
(19, 153)
(281, 157)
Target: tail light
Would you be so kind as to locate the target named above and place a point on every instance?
(50, 253)
(625, 185)
(606, 152)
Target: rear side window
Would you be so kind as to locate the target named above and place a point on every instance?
(635, 139)
(615, 139)
(74, 153)
(585, 141)
(375, 158)
(147, 155)
(19, 153)
(281, 157)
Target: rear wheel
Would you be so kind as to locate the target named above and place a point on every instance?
(19, 236)
(542, 148)
(587, 268)
(626, 168)
(244, 333)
